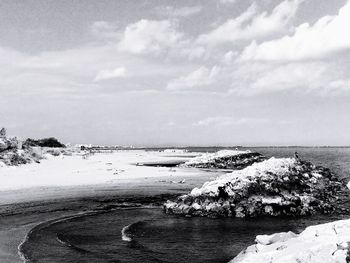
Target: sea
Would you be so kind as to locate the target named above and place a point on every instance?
(146, 234)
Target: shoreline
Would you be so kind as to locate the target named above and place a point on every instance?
(22, 209)
(134, 205)
(66, 185)
(21, 220)
(43, 224)
(76, 215)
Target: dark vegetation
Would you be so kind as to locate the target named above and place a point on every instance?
(46, 142)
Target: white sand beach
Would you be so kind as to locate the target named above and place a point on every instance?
(119, 169)
(37, 192)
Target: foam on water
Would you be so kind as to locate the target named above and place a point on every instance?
(125, 236)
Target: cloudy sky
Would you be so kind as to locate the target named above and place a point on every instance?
(185, 72)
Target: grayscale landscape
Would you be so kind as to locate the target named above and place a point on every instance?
(174, 131)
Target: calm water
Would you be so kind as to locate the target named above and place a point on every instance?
(155, 237)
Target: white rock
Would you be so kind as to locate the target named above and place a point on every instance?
(196, 206)
(316, 244)
(207, 157)
(278, 237)
(279, 166)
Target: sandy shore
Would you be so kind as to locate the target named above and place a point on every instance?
(64, 186)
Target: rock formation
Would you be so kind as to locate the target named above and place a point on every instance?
(274, 187)
(320, 243)
(225, 159)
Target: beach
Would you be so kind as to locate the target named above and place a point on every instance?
(66, 185)
(84, 202)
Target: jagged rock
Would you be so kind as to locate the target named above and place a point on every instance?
(275, 187)
(328, 242)
(225, 159)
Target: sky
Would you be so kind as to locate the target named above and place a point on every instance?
(177, 73)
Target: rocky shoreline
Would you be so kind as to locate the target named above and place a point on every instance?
(274, 187)
(226, 159)
(328, 242)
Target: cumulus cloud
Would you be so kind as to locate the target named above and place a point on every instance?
(255, 78)
(229, 56)
(90, 64)
(326, 36)
(251, 24)
(304, 76)
(171, 11)
(228, 121)
(152, 60)
(149, 36)
(202, 76)
(110, 74)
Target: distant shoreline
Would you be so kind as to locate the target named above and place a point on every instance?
(190, 148)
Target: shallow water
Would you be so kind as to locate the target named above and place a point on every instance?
(156, 237)
(153, 237)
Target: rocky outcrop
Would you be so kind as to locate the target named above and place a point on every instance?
(274, 187)
(320, 243)
(225, 159)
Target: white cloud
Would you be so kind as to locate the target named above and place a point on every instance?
(329, 34)
(255, 78)
(337, 86)
(228, 2)
(200, 77)
(190, 51)
(110, 74)
(10, 57)
(104, 29)
(149, 36)
(171, 11)
(228, 121)
(67, 71)
(98, 26)
(251, 24)
(290, 76)
(229, 56)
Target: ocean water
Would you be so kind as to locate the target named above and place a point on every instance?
(146, 234)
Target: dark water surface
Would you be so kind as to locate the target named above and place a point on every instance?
(151, 236)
